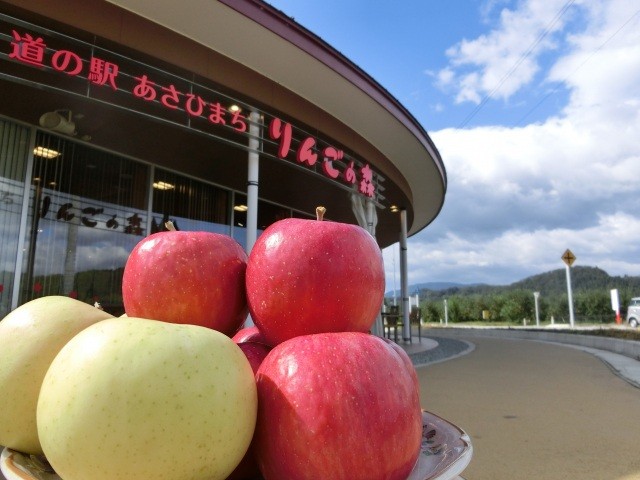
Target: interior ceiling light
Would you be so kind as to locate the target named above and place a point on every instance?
(235, 108)
(240, 208)
(45, 152)
(394, 208)
(163, 186)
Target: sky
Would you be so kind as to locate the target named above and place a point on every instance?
(534, 106)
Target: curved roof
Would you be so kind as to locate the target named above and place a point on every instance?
(265, 40)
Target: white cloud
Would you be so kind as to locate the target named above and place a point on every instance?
(611, 244)
(519, 196)
(505, 59)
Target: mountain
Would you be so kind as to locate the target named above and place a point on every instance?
(550, 283)
(582, 279)
(433, 286)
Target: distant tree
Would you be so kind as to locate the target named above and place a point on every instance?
(594, 305)
(518, 305)
(591, 297)
(453, 309)
(430, 311)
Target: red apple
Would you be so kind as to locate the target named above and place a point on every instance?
(249, 334)
(312, 276)
(255, 353)
(248, 469)
(343, 406)
(187, 277)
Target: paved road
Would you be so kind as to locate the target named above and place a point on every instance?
(537, 411)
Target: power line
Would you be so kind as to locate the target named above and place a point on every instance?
(522, 58)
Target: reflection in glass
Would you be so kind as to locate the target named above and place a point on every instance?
(87, 210)
(189, 204)
(13, 164)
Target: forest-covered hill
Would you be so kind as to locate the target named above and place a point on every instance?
(548, 284)
(591, 293)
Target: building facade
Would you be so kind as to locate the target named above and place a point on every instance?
(222, 116)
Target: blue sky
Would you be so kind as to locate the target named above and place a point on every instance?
(534, 106)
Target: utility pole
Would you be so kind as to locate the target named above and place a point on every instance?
(568, 258)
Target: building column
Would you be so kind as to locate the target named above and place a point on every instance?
(372, 221)
(252, 179)
(404, 277)
(253, 172)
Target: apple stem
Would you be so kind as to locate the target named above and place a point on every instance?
(320, 213)
(170, 226)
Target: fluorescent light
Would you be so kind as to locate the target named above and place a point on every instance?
(45, 152)
(163, 186)
(240, 208)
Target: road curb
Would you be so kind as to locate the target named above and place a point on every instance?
(628, 348)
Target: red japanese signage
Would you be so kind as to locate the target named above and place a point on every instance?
(32, 50)
(306, 153)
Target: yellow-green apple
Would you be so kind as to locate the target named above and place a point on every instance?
(30, 338)
(187, 277)
(343, 406)
(138, 398)
(255, 353)
(313, 276)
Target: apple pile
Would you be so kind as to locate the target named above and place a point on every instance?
(178, 388)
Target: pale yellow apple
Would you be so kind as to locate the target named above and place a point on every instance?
(30, 337)
(133, 398)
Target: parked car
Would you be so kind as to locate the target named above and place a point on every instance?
(633, 312)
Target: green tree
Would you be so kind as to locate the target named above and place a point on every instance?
(430, 312)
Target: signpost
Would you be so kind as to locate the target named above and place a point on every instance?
(568, 258)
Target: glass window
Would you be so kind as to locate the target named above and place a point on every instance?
(189, 204)
(14, 144)
(269, 213)
(87, 210)
(239, 231)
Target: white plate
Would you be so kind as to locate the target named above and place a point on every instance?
(445, 452)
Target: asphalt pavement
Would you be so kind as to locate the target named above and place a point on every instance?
(534, 410)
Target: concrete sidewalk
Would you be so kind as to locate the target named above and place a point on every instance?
(537, 410)
(622, 356)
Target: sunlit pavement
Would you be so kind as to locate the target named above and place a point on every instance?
(626, 366)
(538, 410)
